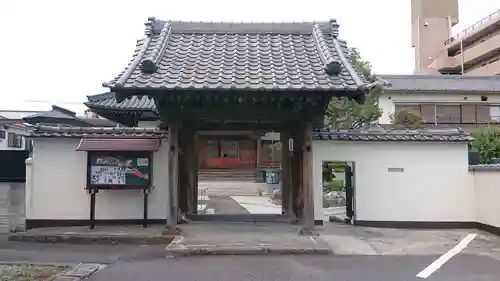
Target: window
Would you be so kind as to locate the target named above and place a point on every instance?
(222, 149)
(14, 140)
(455, 113)
(229, 149)
(448, 114)
(2, 134)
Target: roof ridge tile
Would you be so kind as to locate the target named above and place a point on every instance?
(332, 66)
(150, 64)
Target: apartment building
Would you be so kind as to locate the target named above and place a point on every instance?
(473, 51)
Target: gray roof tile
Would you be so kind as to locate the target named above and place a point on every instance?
(105, 132)
(442, 83)
(484, 167)
(108, 100)
(394, 135)
(347, 135)
(243, 56)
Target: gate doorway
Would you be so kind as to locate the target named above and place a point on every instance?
(338, 191)
(230, 180)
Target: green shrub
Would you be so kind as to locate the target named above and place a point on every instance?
(487, 143)
(334, 185)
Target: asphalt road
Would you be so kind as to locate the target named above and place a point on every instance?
(148, 263)
(301, 268)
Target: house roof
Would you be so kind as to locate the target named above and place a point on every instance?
(64, 116)
(239, 56)
(100, 132)
(442, 83)
(381, 134)
(108, 101)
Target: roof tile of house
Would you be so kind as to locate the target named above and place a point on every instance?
(240, 56)
(108, 100)
(347, 135)
(442, 83)
(78, 132)
(394, 135)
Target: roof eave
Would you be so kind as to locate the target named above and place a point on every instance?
(420, 91)
(110, 108)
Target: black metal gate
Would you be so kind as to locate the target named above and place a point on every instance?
(12, 165)
(349, 193)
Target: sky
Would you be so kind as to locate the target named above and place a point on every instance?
(58, 52)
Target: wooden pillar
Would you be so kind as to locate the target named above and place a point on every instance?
(307, 177)
(194, 174)
(183, 170)
(258, 158)
(173, 164)
(187, 169)
(191, 165)
(285, 172)
(296, 174)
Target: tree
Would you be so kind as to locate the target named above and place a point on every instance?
(407, 118)
(345, 113)
(487, 143)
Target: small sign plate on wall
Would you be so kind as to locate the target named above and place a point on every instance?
(395, 170)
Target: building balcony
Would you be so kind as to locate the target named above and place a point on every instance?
(475, 31)
(492, 68)
(471, 56)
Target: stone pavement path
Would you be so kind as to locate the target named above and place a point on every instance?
(225, 205)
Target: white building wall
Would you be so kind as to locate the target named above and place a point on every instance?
(487, 195)
(56, 190)
(435, 184)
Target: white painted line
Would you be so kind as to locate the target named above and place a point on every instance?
(312, 239)
(446, 257)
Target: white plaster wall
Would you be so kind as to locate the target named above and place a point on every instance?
(56, 189)
(389, 98)
(435, 184)
(487, 190)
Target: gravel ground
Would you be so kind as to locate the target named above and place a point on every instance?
(28, 272)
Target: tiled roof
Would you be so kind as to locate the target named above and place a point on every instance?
(347, 135)
(108, 100)
(78, 132)
(468, 128)
(393, 135)
(484, 167)
(241, 56)
(442, 83)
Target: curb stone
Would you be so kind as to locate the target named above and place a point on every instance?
(80, 272)
(88, 239)
(184, 252)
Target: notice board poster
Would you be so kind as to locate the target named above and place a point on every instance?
(126, 170)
